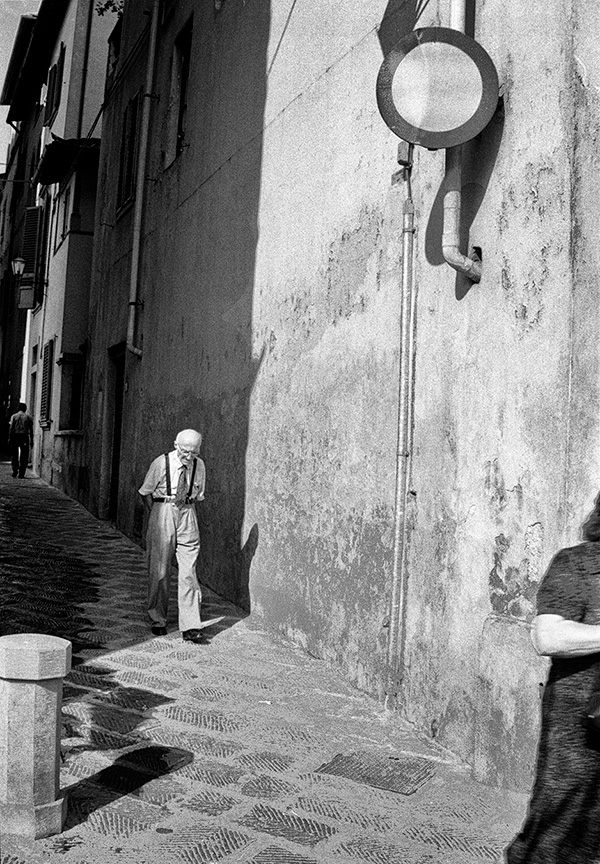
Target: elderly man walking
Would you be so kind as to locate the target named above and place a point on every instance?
(174, 482)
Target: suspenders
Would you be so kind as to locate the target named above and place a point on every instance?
(168, 477)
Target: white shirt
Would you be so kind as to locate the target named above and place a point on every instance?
(155, 482)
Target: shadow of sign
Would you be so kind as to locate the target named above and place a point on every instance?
(130, 774)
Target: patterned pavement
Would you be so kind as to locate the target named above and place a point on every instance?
(242, 751)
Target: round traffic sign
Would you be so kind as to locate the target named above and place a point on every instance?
(437, 88)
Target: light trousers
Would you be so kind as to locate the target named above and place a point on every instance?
(173, 531)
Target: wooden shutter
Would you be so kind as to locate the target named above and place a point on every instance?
(31, 244)
(128, 156)
(54, 89)
(47, 369)
(51, 87)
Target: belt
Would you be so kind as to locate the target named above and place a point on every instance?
(171, 500)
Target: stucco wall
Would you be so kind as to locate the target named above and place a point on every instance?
(271, 299)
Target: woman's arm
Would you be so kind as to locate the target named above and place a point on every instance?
(554, 636)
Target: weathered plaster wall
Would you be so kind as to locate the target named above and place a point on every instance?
(506, 433)
(271, 291)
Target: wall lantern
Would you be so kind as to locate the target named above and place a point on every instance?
(437, 88)
(18, 267)
(26, 293)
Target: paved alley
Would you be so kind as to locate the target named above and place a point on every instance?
(241, 750)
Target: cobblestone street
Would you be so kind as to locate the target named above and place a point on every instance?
(241, 750)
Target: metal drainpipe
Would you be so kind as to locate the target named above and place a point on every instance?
(139, 185)
(397, 628)
(453, 197)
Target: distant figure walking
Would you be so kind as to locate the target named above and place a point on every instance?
(20, 439)
(174, 482)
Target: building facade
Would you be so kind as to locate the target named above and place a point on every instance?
(388, 475)
(55, 87)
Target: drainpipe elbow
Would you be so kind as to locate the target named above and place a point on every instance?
(470, 267)
(451, 239)
(132, 348)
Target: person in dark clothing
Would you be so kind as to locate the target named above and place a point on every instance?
(563, 819)
(20, 439)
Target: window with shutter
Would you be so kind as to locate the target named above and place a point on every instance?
(128, 155)
(55, 80)
(31, 244)
(183, 47)
(43, 236)
(46, 393)
(177, 133)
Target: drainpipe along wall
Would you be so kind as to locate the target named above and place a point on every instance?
(472, 269)
(140, 185)
(396, 631)
(453, 197)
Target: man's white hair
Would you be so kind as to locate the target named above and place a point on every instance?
(189, 435)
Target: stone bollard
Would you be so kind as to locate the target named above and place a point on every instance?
(32, 667)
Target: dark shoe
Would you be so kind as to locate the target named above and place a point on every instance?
(14, 473)
(159, 630)
(196, 636)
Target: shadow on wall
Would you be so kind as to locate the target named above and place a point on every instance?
(227, 362)
(479, 158)
(399, 18)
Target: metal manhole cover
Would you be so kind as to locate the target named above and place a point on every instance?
(403, 774)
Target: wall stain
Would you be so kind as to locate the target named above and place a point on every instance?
(512, 587)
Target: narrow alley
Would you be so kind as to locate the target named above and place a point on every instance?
(241, 750)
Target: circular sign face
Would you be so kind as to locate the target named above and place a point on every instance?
(437, 88)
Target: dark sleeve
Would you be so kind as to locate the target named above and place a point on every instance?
(563, 589)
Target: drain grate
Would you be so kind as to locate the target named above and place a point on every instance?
(297, 829)
(403, 774)
(277, 855)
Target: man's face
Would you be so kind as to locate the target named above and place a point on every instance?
(187, 449)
